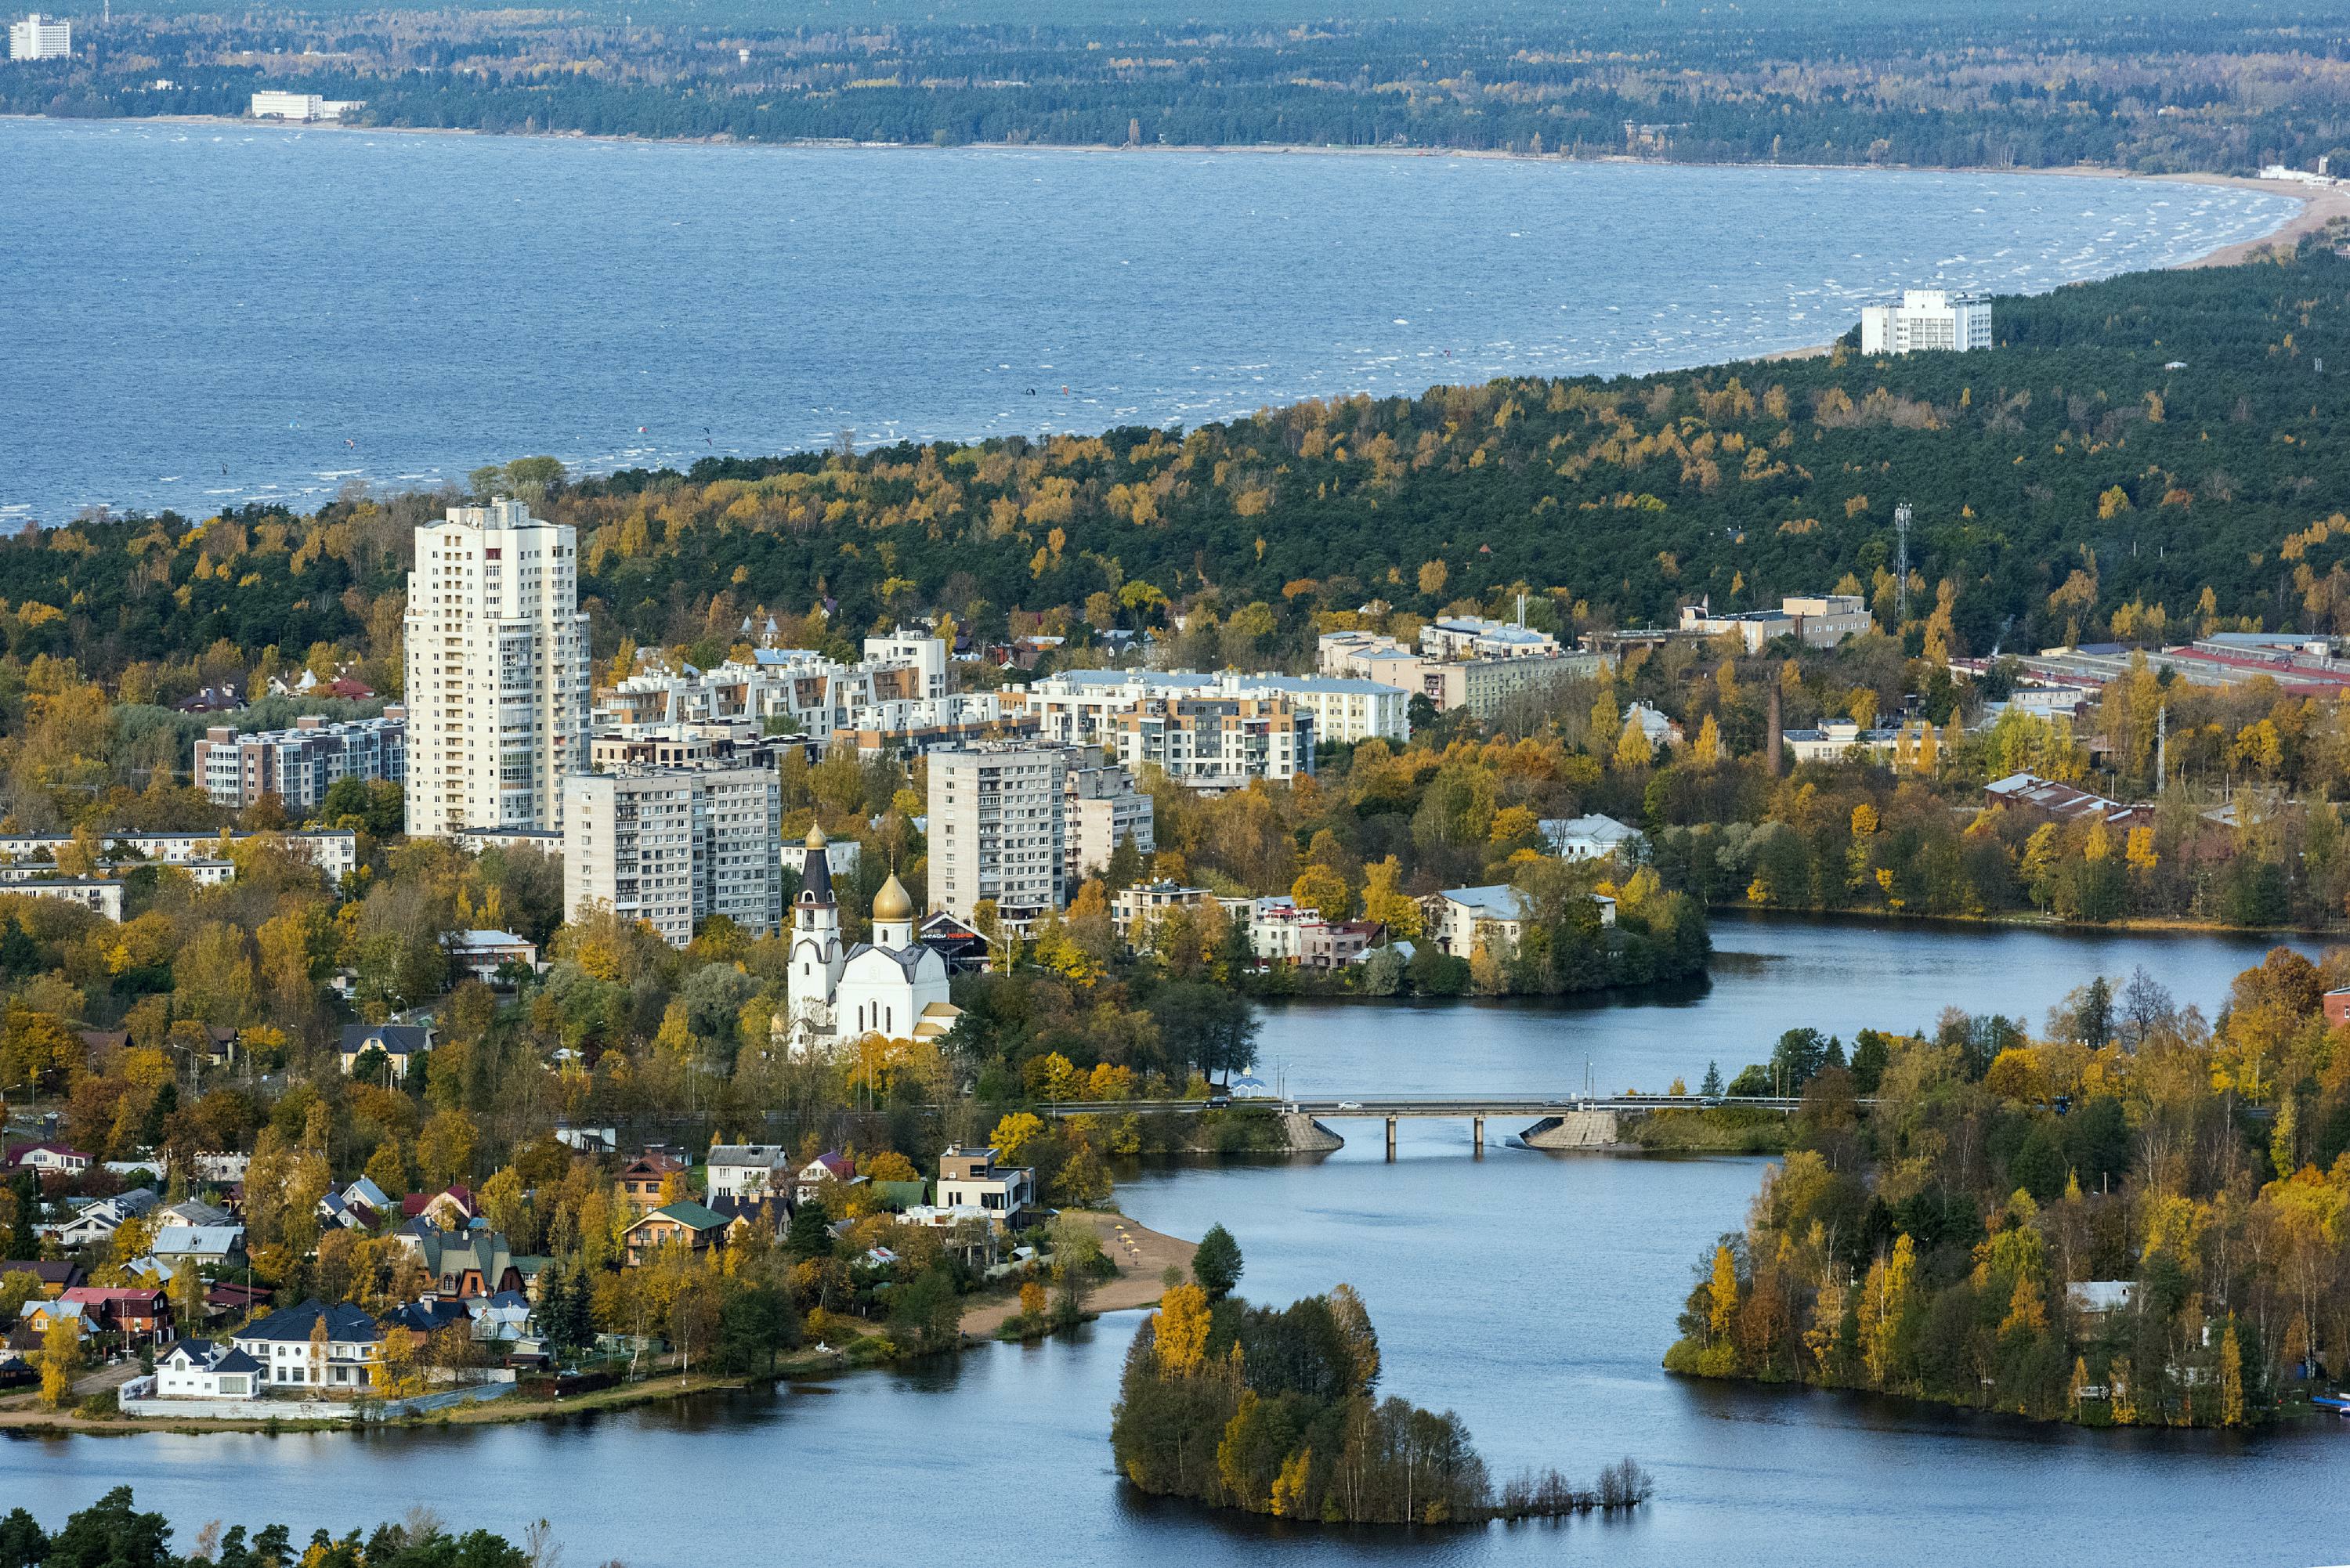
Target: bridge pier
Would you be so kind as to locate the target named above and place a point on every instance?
(1478, 1136)
(1391, 1139)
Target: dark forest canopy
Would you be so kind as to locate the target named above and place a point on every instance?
(2167, 86)
(2143, 456)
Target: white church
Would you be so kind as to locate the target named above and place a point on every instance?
(893, 986)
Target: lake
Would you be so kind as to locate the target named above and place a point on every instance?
(1534, 1294)
(212, 314)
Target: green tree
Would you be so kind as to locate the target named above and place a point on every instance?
(1217, 1264)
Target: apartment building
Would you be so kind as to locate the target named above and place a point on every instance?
(1926, 318)
(1467, 637)
(998, 826)
(497, 670)
(39, 37)
(1217, 743)
(334, 851)
(899, 687)
(301, 765)
(1102, 809)
(672, 846)
(1077, 706)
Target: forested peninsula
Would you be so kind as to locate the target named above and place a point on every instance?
(2164, 87)
(2151, 453)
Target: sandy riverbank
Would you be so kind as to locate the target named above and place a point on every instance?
(1142, 1256)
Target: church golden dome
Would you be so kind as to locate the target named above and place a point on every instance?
(816, 836)
(891, 902)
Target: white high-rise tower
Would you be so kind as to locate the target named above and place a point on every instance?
(497, 671)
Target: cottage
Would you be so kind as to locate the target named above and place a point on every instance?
(206, 1246)
(97, 1221)
(191, 1211)
(292, 1357)
(685, 1221)
(201, 1369)
(642, 1177)
(403, 1044)
(48, 1159)
(461, 1265)
(1334, 944)
(36, 1316)
(451, 1209)
(830, 1167)
(361, 1206)
(1592, 837)
(134, 1312)
(747, 1170)
(55, 1278)
(970, 1178)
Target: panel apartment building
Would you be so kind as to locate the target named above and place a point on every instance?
(673, 846)
(301, 765)
(1103, 810)
(998, 826)
(497, 671)
(39, 37)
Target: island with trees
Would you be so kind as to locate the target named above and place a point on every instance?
(1274, 1411)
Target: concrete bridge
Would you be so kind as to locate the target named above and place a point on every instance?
(1558, 1121)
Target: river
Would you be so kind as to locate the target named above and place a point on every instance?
(1534, 1294)
(212, 314)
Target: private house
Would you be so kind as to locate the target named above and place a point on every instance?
(642, 1177)
(749, 1170)
(361, 1206)
(2336, 1005)
(55, 1278)
(970, 1178)
(451, 1209)
(97, 1221)
(33, 1318)
(482, 954)
(191, 1211)
(1334, 944)
(283, 1344)
(830, 1167)
(2096, 1298)
(48, 1159)
(201, 1369)
(133, 1312)
(1592, 838)
(461, 1265)
(686, 1221)
(401, 1045)
(206, 1246)
(1458, 918)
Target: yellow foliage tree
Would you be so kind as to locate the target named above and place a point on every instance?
(1181, 1330)
(60, 1360)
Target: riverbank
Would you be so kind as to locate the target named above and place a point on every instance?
(2031, 920)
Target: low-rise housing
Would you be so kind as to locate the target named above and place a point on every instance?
(643, 1179)
(464, 1265)
(2058, 801)
(685, 1221)
(484, 953)
(48, 1159)
(282, 1344)
(1458, 918)
(1133, 910)
(1460, 639)
(1815, 620)
(1592, 837)
(746, 1170)
(205, 1246)
(971, 1178)
(205, 1369)
(1832, 742)
(403, 1044)
(828, 1169)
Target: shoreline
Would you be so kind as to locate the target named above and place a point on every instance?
(2319, 203)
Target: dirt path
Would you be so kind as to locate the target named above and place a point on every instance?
(1142, 1256)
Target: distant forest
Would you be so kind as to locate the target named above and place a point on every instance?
(2165, 86)
(2142, 457)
